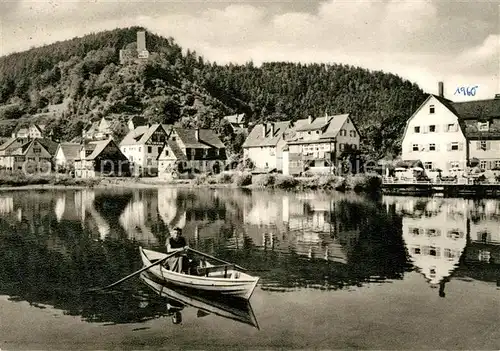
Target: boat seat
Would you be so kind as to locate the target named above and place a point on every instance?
(223, 268)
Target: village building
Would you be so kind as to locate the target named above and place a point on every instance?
(98, 130)
(450, 136)
(316, 144)
(6, 150)
(193, 150)
(66, 154)
(101, 158)
(33, 156)
(143, 145)
(264, 146)
(237, 122)
(32, 132)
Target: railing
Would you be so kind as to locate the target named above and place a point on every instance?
(459, 181)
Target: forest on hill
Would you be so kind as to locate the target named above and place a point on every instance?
(84, 75)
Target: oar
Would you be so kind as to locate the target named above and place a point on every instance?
(135, 273)
(216, 259)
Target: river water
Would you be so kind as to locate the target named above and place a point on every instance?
(337, 271)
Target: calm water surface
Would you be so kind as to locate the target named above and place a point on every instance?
(337, 271)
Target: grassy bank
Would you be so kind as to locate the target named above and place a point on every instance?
(15, 179)
(359, 183)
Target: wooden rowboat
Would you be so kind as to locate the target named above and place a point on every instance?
(221, 279)
(236, 309)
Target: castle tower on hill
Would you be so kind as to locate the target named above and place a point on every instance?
(141, 53)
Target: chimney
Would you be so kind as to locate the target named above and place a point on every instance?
(264, 129)
(310, 119)
(441, 89)
(197, 134)
(272, 129)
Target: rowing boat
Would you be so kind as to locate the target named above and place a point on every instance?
(221, 279)
(236, 309)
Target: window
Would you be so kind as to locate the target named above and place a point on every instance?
(173, 138)
(139, 149)
(417, 129)
(343, 132)
(88, 152)
(159, 149)
(432, 109)
(432, 147)
(432, 128)
(131, 158)
(416, 250)
(482, 164)
(482, 145)
(149, 162)
(415, 147)
(31, 159)
(166, 152)
(352, 133)
(37, 150)
(454, 146)
(454, 164)
(341, 147)
(455, 234)
(124, 150)
(451, 127)
(497, 164)
(150, 149)
(317, 132)
(483, 126)
(484, 256)
(428, 165)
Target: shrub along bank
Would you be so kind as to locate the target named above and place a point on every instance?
(366, 182)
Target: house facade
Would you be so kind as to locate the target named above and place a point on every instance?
(31, 157)
(66, 154)
(101, 158)
(143, 145)
(316, 144)
(434, 136)
(264, 145)
(7, 148)
(237, 122)
(196, 150)
(451, 136)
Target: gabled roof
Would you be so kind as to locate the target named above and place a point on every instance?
(141, 134)
(11, 144)
(49, 145)
(207, 138)
(179, 155)
(7, 143)
(335, 126)
(70, 150)
(21, 150)
(257, 139)
(97, 147)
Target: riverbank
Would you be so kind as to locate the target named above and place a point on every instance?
(369, 183)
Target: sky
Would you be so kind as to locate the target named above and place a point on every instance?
(456, 42)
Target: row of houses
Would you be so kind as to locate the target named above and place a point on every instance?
(155, 150)
(314, 144)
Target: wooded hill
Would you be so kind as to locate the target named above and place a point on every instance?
(180, 86)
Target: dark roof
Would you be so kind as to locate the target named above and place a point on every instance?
(479, 109)
(472, 112)
(319, 123)
(256, 137)
(12, 144)
(49, 145)
(176, 150)
(207, 138)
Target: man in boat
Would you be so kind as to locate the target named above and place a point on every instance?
(176, 242)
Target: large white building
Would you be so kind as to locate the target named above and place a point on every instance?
(450, 136)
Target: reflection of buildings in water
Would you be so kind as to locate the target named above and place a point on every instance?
(168, 209)
(84, 203)
(263, 210)
(67, 206)
(435, 243)
(6, 205)
(137, 216)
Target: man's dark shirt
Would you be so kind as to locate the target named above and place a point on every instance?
(178, 243)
